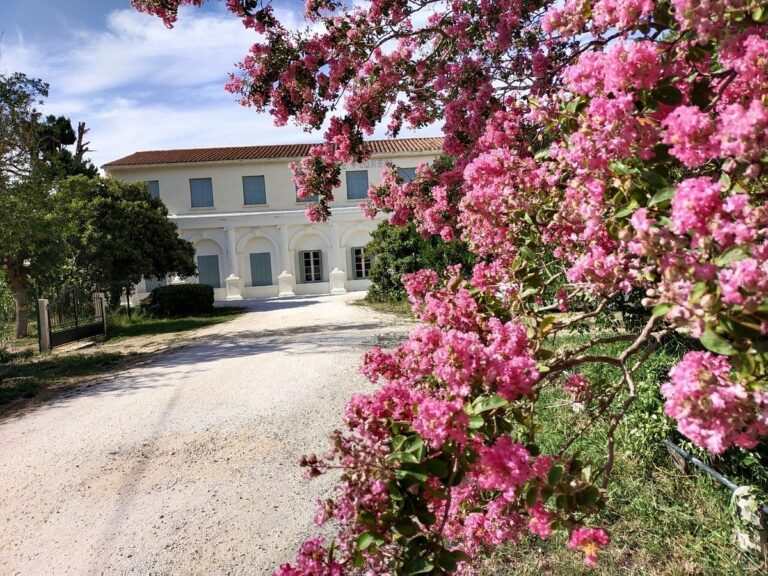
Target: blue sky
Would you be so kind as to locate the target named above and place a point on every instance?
(136, 84)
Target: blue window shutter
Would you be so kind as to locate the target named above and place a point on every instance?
(201, 191)
(208, 270)
(407, 174)
(154, 188)
(254, 190)
(261, 269)
(357, 184)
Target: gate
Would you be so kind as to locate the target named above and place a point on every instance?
(75, 315)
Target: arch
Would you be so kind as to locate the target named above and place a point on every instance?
(308, 232)
(205, 236)
(256, 234)
(352, 230)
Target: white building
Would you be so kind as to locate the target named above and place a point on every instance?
(238, 207)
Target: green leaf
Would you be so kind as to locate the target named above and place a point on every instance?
(485, 403)
(588, 497)
(531, 496)
(426, 517)
(414, 444)
(419, 566)
(661, 309)
(476, 421)
(731, 255)
(627, 210)
(714, 343)
(406, 457)
(760, 14)
(437, 468)
(365, 540)
(449, 559)
(555, 475)
(407, 529)
(546, 323)
(663, 196)
(668, 94)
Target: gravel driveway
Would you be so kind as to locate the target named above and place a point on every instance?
(187, 465)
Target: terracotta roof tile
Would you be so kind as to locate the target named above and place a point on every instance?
(392, 146)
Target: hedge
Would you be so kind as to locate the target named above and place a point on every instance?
(178, 300)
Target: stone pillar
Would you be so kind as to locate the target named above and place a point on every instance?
(338, 277)
(285, 280)
(232, 283)
(44, 329)
(232, 252)
(285, 283)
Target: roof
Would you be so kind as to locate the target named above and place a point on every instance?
(191, 155)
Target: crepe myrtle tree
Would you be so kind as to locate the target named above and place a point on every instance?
(627, 139)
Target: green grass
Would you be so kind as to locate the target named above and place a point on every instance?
(402, 308)
(25, 377)
(662, 521)
(120, 326)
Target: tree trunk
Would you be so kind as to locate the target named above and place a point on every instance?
(17, 277)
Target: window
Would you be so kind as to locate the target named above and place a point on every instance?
(362, 263)
(201, 191)
(254, 190)
(310, 266)
(357, 184)
(154, 188)
(261, 269)
(208, 270)
(152, 283)
(407, 174)
(312, 198)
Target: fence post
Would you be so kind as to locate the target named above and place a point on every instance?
(44, 326)
(103, 305)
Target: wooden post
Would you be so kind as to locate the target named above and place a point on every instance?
(44, 328)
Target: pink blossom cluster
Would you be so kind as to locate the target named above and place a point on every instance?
(711, 408)
(578, 387)
(589, 541)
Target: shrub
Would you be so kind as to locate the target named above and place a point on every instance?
(178, 300)
(402, 250)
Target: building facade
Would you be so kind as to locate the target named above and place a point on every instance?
(238, 207)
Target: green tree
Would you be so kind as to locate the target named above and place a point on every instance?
(29, 243)
(118, 234)
(398, 250)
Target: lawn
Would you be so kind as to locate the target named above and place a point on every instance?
(119, 326)
(28, 378)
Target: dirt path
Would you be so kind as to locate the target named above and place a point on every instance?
(187, 465)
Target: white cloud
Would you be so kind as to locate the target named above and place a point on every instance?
(141, 86)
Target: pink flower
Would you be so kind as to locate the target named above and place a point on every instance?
(440, 421)
(505, 467)
(589, 541)
(691, 133)
(541, 520)
(712, 409)
(696, 201)
(578, 387)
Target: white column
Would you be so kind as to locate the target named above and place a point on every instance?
(285, 280)
(232, 252)
(232, 283)
(338, 276)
